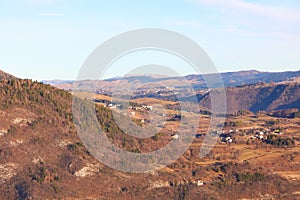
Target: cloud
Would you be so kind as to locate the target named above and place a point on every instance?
(243, 7)
(255, 19)
(51, 14)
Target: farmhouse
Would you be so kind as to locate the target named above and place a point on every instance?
(147, 107)
(200, 183)
(175, 136)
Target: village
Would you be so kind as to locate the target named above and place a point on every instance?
(230, 134)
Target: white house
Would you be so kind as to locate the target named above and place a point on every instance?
(132, 113)
(175, 136)
(112, 106)
(148, 107)
(229, 139)
(200, 183)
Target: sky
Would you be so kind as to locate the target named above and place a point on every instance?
(51, 39)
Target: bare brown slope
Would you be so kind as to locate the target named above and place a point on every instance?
(41, 156)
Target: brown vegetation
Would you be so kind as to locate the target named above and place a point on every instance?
(41, 156)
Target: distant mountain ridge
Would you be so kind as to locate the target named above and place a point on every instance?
(251, 77)
(197, 81)
(56, 82)
(246, 90)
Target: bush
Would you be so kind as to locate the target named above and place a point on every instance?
(75, 147)
(135, 150)
(40, 175)
(279, 142)
(270, 123)
(154, 137)
(296, 114)
(248, 177)
(12, 129)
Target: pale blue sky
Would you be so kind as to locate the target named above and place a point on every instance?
(50, 39)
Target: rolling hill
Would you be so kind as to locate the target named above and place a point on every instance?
(260, 97)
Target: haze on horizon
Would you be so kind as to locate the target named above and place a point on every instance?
(50, 39)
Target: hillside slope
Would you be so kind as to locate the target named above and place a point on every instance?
(42, 157)
(260, 97)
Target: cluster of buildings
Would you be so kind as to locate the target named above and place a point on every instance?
(135, 108)
(229, 136)
(143, 107)
(262, 134)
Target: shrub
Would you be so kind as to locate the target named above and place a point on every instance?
(279, 142)
(40, 175)
(12, 129)
(248, 177)
(75, 147)
(296, 114)
(154, 137)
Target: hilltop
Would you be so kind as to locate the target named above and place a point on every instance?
(4, 75)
